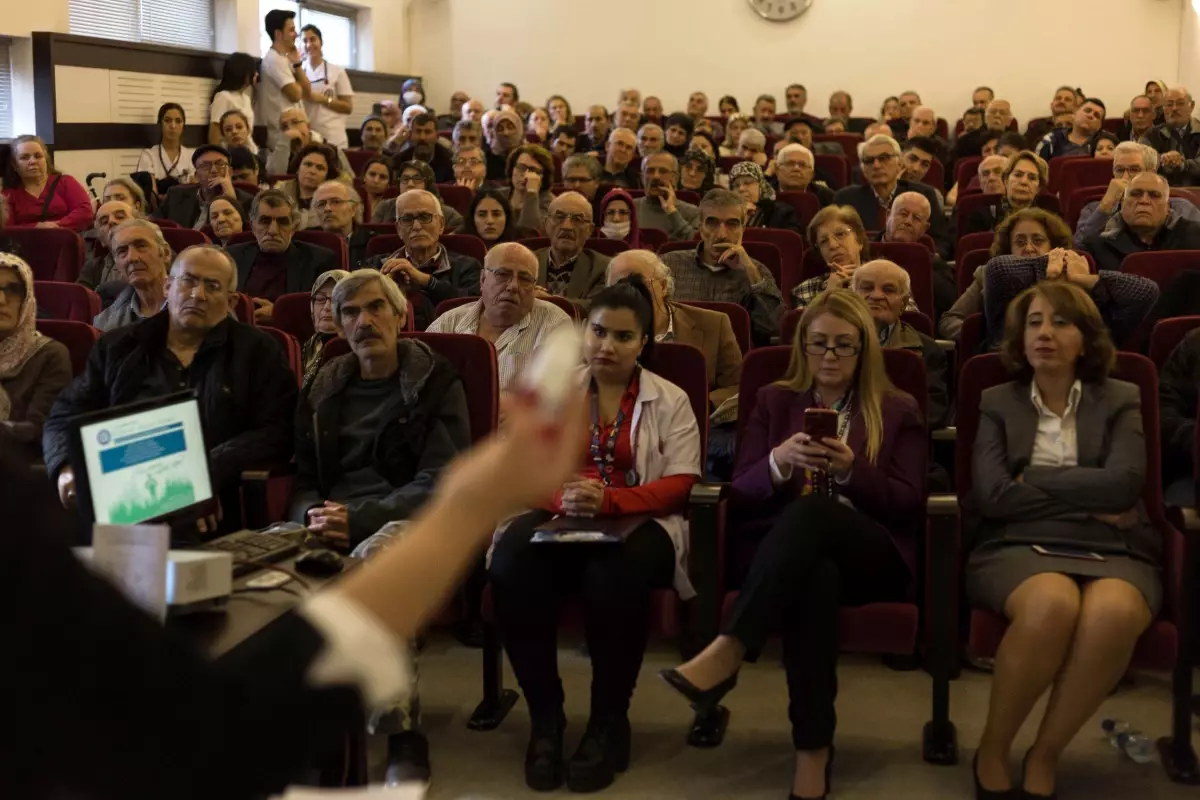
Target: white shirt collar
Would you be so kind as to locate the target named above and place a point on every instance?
(1072, 398)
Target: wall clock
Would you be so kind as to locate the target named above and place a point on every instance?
(780, 10)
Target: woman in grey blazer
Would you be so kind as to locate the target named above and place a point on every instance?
(1059, 462)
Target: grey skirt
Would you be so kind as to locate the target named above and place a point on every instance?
(996, 568)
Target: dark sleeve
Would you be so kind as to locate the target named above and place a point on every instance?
(463, 281)
(1124, 300)
(1177, 406)
(752, 468)
(93, 269)
(150, 718)
(783, 217)
(305, 487)
(52, 378)
(765, 304)
(979, 221)
(326, 260)
(88, 392)
(893, 490)
(935, 377)
(267, 436)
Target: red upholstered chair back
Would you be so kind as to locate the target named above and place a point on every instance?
(1167, 335)
(181, 239)
(848, 141)
(291, 350)
(293, 314)
(78, 337)
(242, 237)
(966, 266)
(358, 158)
(652, 238)
(969, 337)
(243, 308)
(920, 322)
(790, 243)
(968, 205)
(966, 169)
(806, 204)
(767, 254)
(684, 366)
(725, 163)
(917, 261)
(936, 176)
(67, 301)
(981, 240)
(607, 247)
(687, 196)
(943, 129)
(163, 224)
(1076, 200)
(1161, 266)
(461, 243)
(739, 319)
(1078, 173)
(457, 197)
(380, 227)
(836, 167)
(330, 241)
(54, 254)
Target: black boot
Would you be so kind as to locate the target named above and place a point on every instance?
(603, 752)
(544, 756)
(408, 758)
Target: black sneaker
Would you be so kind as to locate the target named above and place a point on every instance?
(603, 752)
(408, 759)
(544, 756)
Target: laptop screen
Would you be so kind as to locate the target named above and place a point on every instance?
(146, 464)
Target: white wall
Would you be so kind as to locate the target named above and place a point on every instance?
(1189, 46)
(872, 48)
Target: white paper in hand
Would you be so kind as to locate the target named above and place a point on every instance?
(134, 558)
(553, 369)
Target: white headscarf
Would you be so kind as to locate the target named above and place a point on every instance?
(19, 346)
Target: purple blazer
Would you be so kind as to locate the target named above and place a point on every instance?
(891, 491)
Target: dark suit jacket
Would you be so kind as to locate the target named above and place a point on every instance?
(183, 205)
(305, 262)
(711, 333)
(874, 215)
(891, 491)
(587, 274)
(356, 246)
(442, 163)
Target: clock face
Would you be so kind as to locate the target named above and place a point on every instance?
(780, 10)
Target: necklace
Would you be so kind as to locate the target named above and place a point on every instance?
(602, 451)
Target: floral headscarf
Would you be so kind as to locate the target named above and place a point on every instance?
(706, 162)
(19, 346)
(749, 168)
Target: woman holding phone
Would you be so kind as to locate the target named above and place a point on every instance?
(1062, 545)
(830, 475)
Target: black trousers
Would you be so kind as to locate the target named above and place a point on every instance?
(818, 556)
(530, 583)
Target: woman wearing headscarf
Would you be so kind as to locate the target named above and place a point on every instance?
(406, 178)
(33, 367)
(762, 211)
(1157, 92)
(321, 305)
(618, 218)
(697, 171)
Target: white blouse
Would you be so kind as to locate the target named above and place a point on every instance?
(1055, 444)
(155, 160)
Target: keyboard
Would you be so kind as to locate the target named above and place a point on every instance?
(247, 546)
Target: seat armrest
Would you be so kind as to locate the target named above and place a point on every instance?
(267, 471)
(942, 505)
(946, 434)
(708, 494)
(706, 524)
(948, 345)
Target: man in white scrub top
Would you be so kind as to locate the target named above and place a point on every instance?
(282, 82)
(331, 98)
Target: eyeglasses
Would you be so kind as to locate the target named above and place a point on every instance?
(321, 300)
(1021, 241)
(505, 276)
(838, 236)
(333, 202)
(407, 220)
(578, 219)
(882, 158)
(1176, 104)
(1121, 172)
(415, 180)
(839, 350)
(189, 282)
(468, 162)
(524, 168)
(577, 180)
(793, 164)
(265, 221)
(211, 166)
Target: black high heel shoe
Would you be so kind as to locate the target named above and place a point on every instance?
(987, 794)
(1022, 794)
(828, 778)
(701, 700)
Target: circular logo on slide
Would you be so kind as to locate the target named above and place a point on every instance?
(103, 437)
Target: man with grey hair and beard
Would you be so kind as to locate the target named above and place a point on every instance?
(660, 208)
(374, 430)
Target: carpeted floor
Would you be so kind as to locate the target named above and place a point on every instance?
(880, 717)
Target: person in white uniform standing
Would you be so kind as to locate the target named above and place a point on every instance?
(330, 97)
(282, 81)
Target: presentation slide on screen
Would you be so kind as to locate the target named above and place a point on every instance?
(147, 464)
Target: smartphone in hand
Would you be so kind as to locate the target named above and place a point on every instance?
(821, 423)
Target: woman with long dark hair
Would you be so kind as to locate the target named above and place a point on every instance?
(169, 161)
(235, 92)
(490, 218)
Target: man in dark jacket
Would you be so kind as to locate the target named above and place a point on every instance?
(277, 264)
(423, 269)
(423, 146)
(247, 393)
(1146, 222)
(881, 166)
(1177, 397)
(335, 204)
(188, 205)
(1178, 139)
(373, 432)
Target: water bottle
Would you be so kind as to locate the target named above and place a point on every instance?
(1132, 742)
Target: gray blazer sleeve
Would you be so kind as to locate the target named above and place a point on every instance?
(1116, 486)
(971, 302)
(684, 223)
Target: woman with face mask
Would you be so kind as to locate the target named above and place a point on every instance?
(618, 217)
(412, 93)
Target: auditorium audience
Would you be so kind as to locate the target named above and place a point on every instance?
(719, 269)
(560, 111)
(170, 162)
(918, 154)
(373, 134)
(1139, 120)
(1063, 104)
(645, 458)
(538, 126)
(472, 111)
(1024, 177)
(422, 146)
(529, 174)
(225, 217)
(297, 134)
(124, 189)
(100, 268)
(470, 167)
(336, 207)
(1178, 382)
(33, 367)
(276, 263)
(465, 133)
(762, 209)
(509, 313)
(376, 177)
(374, 430)
(235, 129)
(247, 392)
(39, 195)
(1177, 139)
(142, 258)
(880, 159)
(795, 169)
(1146, 222)
(417, 175)
(679, 129)
(504, 137)
(618, 215)
(313, 165)
(568, 268)
(619, 167)
(887, 289)
(1103, 144)
(1074, 141)
(245, 167)
(704, 142)
(697, 169)
(1130, 159)
(581, 173)
(187, 206)
(234, 92)
(659, 207)
(1059, 458)
(652, 110)
(650, 139)
(423, 268)
(908, 222)
(1157, 92)
(839, 236)
(321, 308)
(832, 522)
(734, 127)
(490, 218)
(922, 123)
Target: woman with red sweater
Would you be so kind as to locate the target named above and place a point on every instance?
(38, 194)
(642, 459)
